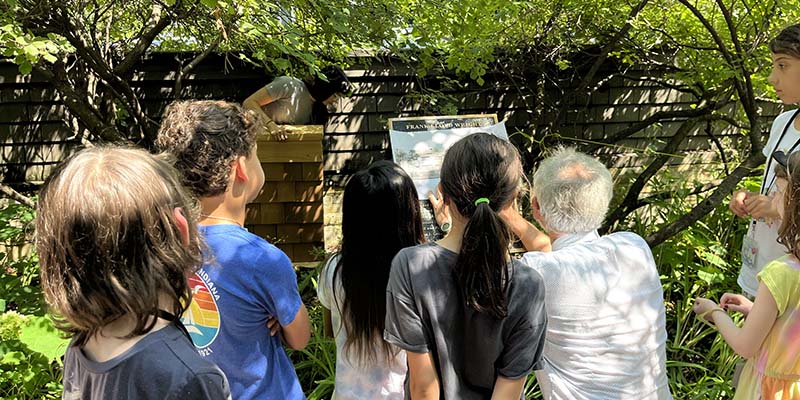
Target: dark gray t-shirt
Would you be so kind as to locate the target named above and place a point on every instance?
(163, 365)
(425, 312)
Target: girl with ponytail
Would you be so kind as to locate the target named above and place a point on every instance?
(471, 319)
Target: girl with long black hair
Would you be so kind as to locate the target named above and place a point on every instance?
(380, 216)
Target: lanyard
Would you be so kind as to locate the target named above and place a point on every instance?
(777, 144)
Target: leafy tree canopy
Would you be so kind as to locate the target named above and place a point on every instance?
(713, 50)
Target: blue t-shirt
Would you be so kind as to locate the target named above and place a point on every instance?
(246, 281)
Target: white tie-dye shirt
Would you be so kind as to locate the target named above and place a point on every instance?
(377, 381)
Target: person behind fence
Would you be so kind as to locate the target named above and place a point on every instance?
(116, 241)
(248, 285)
(288, 100)
(380, 216)
(470, 317)
(771, 332)
(760, 244)
(606, 335)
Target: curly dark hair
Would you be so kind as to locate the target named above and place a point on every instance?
(206, 136)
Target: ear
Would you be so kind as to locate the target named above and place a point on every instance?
(537, 211)
(182, 224)
(240, 170)
(440, 195)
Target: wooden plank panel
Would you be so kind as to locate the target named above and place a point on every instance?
(290, 152)
(308, 191)
(312, 172)
(286, 248)
(276, 192)
(306, 252)
(303, 213)
(271, 213)
(268, 232)
(300, 233)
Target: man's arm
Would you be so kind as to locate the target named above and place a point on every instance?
(255, 103)
(532, 238)
(423, 382)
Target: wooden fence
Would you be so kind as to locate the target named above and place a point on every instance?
(35, 133)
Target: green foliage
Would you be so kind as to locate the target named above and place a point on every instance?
(19, 273)
(316, 364)
(30, 347)
(23, 47)
(702, 261)
(30, 351)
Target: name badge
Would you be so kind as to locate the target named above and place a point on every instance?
(749, 252)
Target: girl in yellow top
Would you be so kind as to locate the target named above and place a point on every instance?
(770, 336)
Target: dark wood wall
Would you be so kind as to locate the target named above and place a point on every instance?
(35, 132)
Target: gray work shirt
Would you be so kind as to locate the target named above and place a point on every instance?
(292, 103)
(425, 313)
(162, 365)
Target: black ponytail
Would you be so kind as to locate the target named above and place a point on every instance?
(480, 176)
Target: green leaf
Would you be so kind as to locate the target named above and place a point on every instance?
(711, 277)
(25, 68)
(13, 358)
(281, 63)
(41, 336)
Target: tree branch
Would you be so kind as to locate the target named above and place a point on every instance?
(671, 194)
(727, 185)
(718, 145)
(703, 109)
(157, 23)
(12, 194)
(632, 196)
(192, 65)
(77, 106)
(611, 45)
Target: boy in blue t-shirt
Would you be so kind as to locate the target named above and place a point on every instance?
(246, 283)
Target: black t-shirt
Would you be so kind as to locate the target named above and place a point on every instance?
(162, 365)
(426, 314)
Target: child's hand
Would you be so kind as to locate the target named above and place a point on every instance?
(737, 203)
(736, 302)
(759, 206)
(273, 325)
(701, 305)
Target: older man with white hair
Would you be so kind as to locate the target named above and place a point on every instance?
(606, 333)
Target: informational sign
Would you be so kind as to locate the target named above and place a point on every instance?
(419, 145)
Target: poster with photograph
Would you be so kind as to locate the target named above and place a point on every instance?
(419, 145)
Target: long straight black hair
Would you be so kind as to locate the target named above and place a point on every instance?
(380, 216)
(482, 166)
